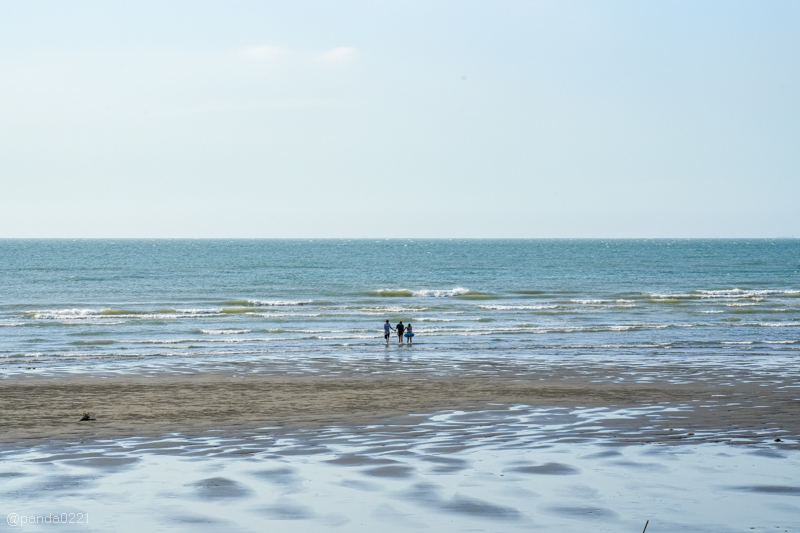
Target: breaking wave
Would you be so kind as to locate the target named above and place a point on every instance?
(267, 303)
(425, 293)
(519, 307)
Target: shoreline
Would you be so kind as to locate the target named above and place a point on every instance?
(42, 408)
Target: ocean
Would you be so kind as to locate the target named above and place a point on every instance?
(119, 305)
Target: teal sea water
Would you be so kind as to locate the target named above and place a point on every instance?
(94, 304)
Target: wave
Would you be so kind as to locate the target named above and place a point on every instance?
(212, 311)
(425, 293)
(618, 303)
(519, 307)
(281, 315)
(746, 293)
(389, 309)
(57, 314)
(315, 331)
(165, 341)
(722, 294)
(670, 298)
(80, 313)
(341, 337)
(473, 295)
(392, 293)
(83, 314)
(443, 293)
(224, 331)
(267, 303)
(529, 328)
(99, 342)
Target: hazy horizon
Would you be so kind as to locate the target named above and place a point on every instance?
(403, 238)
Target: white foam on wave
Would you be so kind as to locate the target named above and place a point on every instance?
(379, 310)
(519, 307)
(343, 337)
(111, 314)
(526, 328)
(11, 324)
(258, 339)
(279, 303)
(65, 314)
(91, 322)
(198, 312)
(711, 312)
(224, 331)
(314, 331)
(440, 293)
(591, 302)
(662, 297)
(744, 293)
(279, 315)
(165, 341)
(428, 293)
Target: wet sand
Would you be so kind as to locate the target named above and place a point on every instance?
(499, 469)
(712, 403)
(398, 445)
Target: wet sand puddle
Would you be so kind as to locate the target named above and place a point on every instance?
(507, 469)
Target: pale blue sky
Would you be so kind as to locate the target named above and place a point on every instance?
(399, 119)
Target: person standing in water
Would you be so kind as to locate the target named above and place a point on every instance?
(386, 331)
(400, 328)
(409, 333)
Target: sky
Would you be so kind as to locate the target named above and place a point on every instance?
(505, 119)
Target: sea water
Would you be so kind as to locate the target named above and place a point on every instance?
(87, 305)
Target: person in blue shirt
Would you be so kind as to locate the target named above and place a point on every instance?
(386, 331)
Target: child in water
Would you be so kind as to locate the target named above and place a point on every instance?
(409, 333)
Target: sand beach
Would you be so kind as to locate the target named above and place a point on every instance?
(753, 403)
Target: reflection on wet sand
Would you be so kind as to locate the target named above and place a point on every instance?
(509, 467)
